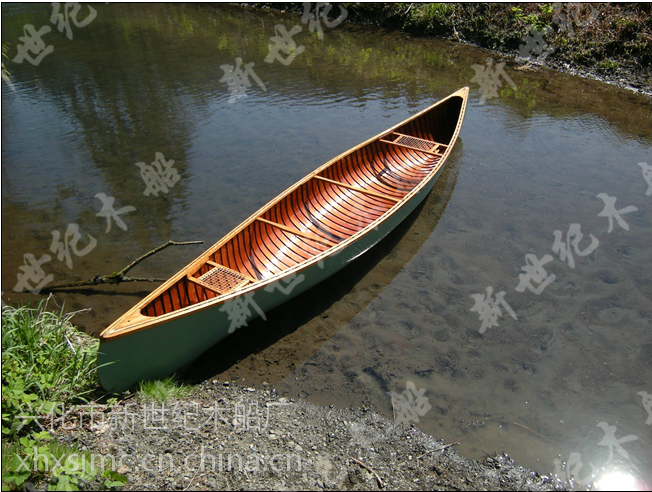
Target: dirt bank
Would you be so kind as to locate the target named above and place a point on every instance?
(226, 436)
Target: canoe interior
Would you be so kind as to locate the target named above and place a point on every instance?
(331, 205)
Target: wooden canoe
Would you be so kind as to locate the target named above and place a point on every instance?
(301, 237)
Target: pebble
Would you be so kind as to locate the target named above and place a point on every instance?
(325, 464)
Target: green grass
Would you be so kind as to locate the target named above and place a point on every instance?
(39, 460)
(46, 364)
(162, 390)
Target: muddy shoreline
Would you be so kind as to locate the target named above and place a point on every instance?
(227, 436)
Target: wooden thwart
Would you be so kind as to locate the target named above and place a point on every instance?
(297, 232)
(361, 190)
(415, 143)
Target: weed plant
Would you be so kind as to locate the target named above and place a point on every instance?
(47, 365)
(45, 362)
(163, 390)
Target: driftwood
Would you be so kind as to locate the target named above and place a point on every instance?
(381, 484)
(119, 277)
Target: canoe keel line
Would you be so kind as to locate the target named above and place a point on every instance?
(300, 238)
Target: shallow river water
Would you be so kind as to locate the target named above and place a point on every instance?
(511, 311)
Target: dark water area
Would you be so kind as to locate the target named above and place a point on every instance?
(560, 375)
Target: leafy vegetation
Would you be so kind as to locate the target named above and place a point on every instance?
(41, 368)
(609, 37)
(37, 460)
(606, 38)
(46, 365)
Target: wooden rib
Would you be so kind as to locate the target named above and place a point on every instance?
(355, 170)
(276, 250)
(361, 167)
(175, 297)
(339, 219)
(330, 224)
(297, 232)
(260, 252)
(192, 293)
(361, 190)
(289, 212)
(359, 209)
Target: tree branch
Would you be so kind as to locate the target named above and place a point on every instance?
(119, 277)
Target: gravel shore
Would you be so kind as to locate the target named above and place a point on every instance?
(226, 436)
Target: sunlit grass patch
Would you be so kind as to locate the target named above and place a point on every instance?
(46, 361)
(47, 364)
(163, 390)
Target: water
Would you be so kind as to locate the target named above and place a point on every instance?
(562, 374)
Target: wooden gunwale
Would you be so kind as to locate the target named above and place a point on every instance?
(133, 321)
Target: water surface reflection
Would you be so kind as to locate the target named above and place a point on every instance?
(559, 386)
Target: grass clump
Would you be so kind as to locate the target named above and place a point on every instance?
(47, 365)
(45, 362)
(163, 390)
